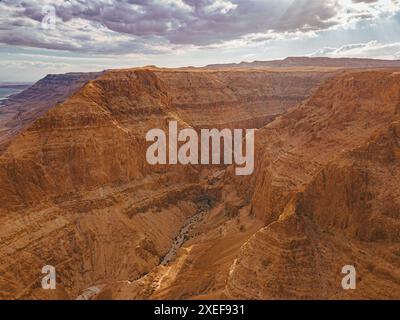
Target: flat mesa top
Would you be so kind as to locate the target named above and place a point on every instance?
(229, 69)
(251, 69)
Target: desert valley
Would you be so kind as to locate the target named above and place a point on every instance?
(77, 192)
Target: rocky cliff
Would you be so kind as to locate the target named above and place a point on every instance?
(78, 194)
(237, 99)
(327, 190)
(324, 195)
(19, 110)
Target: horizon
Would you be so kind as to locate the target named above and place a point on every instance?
(212, 64)
(61, 36)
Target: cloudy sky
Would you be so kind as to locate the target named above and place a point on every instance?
(55, 36)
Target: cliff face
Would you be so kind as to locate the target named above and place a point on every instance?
(327, 189)
(19, 110)
(75, 184)
(78, 194)
(324, 195)
(237, 99)
(90, 138)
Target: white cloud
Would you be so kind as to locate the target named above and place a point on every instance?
(372, 49)
(157, 26)
(220, 6)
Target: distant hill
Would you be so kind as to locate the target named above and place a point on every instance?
(314, 62)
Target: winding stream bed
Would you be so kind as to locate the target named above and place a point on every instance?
(182, 236)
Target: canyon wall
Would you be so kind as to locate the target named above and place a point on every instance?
(77, 192)
(326, 187)
(324, 196)
(19, 110)
(239, 99)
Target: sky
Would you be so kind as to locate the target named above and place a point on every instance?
(57, 36)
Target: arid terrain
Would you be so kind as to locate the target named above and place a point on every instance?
(77, 192)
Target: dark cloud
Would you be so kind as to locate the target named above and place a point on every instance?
(164, 22)
(205, 22)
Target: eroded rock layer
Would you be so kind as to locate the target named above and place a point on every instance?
(77, 192)
(324, 195)
(22, 109)
(327, 190)
(241, 99)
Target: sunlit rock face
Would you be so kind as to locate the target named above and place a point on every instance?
(78, 193)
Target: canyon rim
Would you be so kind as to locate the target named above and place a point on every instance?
(141, 160)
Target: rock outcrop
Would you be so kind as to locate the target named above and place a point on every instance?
(19, 110)
(324, 196)
(78, 193)
(237, 99)
(327, 191)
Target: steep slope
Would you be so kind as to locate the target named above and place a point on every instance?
(75, 187)
(324, 195)
(237, 99)
(327, 189)
(19, 110)
(77, 192)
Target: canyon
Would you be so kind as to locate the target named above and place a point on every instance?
(77, 192)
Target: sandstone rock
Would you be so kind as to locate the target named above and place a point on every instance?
(77, 192)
